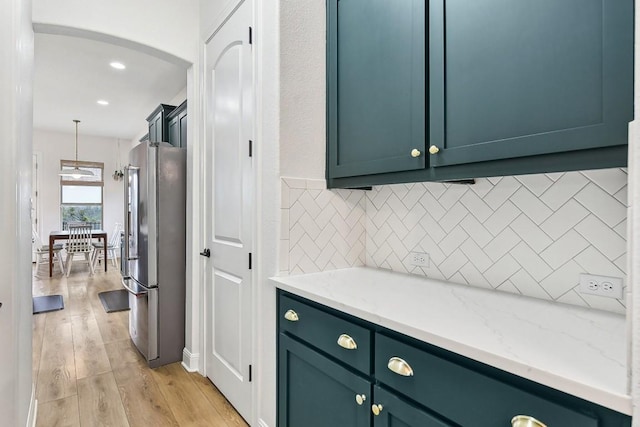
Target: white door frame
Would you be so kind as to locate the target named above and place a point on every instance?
(204, 202)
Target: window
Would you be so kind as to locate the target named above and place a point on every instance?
(81, 198)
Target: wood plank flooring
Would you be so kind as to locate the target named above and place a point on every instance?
(88, 373)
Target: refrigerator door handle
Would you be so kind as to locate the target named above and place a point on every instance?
(137, 293)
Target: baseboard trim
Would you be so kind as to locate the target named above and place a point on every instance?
(190, 362)
(33, 409)
(262, 423)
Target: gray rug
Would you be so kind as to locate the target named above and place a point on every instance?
(47, 303)
(113, 301)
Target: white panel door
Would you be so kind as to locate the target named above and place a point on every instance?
(230, 182)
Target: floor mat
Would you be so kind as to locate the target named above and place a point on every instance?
(113, 301)
(47, 303)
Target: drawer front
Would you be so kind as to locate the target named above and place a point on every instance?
(348, 342)
(462, 395)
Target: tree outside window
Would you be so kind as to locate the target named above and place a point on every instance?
(81, 199)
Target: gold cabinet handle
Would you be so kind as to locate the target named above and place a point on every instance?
(400, 367)
(360, 398)
(526, 421)
(376, 409)
(434, 149)
(291, 316)
(345, 341)
(415, 153)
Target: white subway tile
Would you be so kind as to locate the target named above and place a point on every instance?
(602, 237)
(564, 249)
(602, 204)
(564, 219)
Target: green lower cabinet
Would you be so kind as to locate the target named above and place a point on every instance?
(396, 412)
(313, 391)
(411, 384)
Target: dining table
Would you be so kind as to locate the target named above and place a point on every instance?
(101, 235)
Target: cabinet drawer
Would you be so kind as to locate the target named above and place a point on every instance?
(464, 396)
(346, 341)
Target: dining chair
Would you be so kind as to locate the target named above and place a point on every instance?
(79, 243)
(112, 247)
(42, 252)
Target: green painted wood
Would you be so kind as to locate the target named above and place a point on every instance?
(182, 122)
(446, 387)
(321, 330)
(396, 412)
(375, 86)
(177, 126)
(606, 157)
(158, 123)
(316, 392)
(174, 132)
(513, 78)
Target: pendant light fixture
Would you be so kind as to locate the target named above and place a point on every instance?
(76, 172)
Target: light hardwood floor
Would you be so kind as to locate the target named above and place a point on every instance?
(87, 372)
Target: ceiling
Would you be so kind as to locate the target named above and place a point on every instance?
(72, 74)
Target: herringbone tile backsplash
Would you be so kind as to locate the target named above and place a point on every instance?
(530, 234)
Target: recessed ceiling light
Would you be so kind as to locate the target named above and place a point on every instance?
(118, 65)
(103, 102)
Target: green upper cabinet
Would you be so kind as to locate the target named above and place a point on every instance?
(158, 129)
(507, 87)
(177, 126)
(514, 78)
(376, 86)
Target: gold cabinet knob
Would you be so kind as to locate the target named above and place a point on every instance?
(400, 367)
(526, 421)
(345, 341)
(291, 316)
(376, 409)
(415, 153)
(434, 149)
(360, 398)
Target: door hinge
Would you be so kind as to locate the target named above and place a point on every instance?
(250, 148)
(250, 374)
(249, 260)
(250, 35)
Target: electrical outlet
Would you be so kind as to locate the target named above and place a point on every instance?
(603, 286)
(419, 259)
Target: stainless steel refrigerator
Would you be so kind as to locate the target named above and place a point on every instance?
(154, 261)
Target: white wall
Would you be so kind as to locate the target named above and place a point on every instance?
(56, 146)
(166, 25)
(16, 73)
(302, 88)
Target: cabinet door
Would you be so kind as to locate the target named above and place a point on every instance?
(182, 122)
(152, 131)
(375, 86)
(174, 132)
(396, 412)
(316, 392)
(160, 129)
(514, 78)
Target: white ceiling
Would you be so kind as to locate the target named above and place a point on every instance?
(72, 73)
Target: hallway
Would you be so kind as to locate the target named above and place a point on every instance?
(87, 373)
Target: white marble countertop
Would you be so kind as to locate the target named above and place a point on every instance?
(578, 351)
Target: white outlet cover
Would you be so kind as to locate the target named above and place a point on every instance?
(419, 259)
(603, 286)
